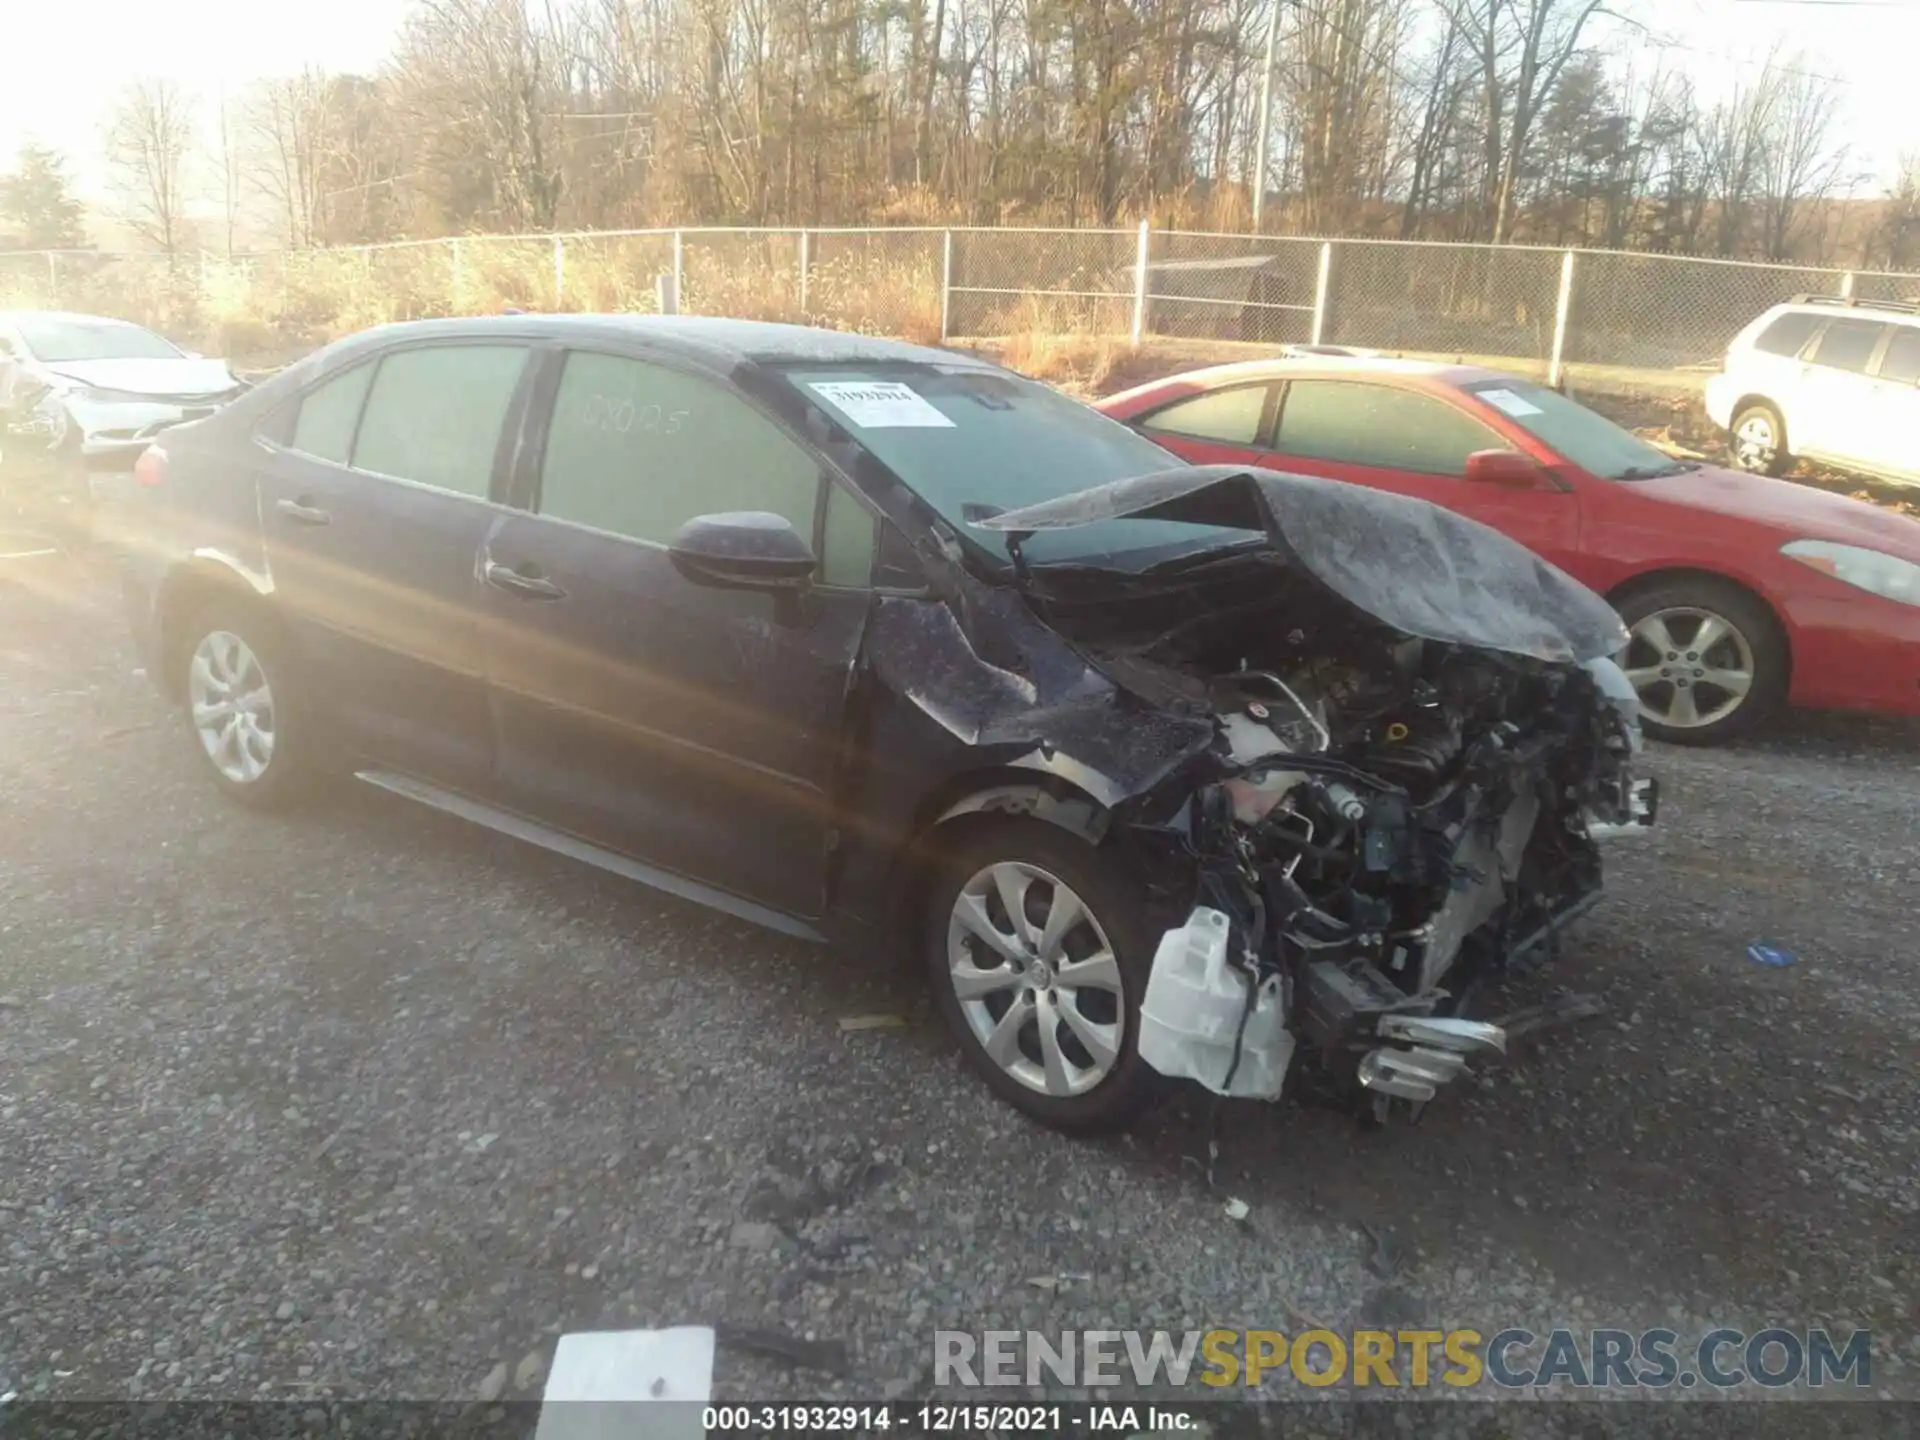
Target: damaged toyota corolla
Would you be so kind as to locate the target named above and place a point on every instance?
(1162, 772)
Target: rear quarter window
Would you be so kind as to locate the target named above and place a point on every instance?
(325, 417)
(1231, 416)
(1902, 360)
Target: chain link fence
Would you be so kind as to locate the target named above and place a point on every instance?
(1635, 318)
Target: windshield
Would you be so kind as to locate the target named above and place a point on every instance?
(965, 438)
(1593, 442)
(58, 341)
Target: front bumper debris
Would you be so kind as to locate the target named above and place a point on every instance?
(1428, 1052)
(1643, 804)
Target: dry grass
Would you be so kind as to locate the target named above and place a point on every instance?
(280, 304)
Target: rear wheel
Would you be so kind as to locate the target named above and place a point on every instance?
(1706, 657)
(1760, 441)
(1039, 956)
(242, 704)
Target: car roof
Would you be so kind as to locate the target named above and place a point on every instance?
(14, 317)
(1891, 312)
(716, 341)
(1314, 367)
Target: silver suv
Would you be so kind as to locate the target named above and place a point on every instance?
(1831, 379)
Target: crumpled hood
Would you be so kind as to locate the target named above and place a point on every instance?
(181, 377)
(1423, 570)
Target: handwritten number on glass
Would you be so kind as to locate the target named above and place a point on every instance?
(614, 415)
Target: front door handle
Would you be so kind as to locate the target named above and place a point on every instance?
(524, 586)
(301, 513)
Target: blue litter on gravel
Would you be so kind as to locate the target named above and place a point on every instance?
(1777, 956)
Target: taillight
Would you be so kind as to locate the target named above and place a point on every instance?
(151, 467)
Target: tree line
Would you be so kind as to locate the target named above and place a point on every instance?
(1549, 121)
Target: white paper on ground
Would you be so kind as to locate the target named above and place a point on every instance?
(1513, 404)
(597, 1374)
(880, 404)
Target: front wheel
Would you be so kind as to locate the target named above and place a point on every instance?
(1706, 658)
(241, 704)
(1039, 955)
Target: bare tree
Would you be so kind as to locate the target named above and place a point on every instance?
(1897, 238)
(287, 125)
(1450, 119)
(1799, 161)
(229, 168)
(147, 144)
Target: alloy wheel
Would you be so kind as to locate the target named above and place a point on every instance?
(1036, 979)
(1755, 445)
(232, 707)
(1690, 666)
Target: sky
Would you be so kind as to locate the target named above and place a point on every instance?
(62, 62)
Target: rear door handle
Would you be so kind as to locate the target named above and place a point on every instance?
(526, 587)
(301, 513)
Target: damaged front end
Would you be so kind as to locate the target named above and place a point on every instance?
(1418, 737)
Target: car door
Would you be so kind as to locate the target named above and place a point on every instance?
(691, 726)
(1224, 426)
(1893, 440)
(1833, 409)
(1415, 443)
(374, 502)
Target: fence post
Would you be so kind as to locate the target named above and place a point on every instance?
(679, 267)
(1846, 286)
(1140, 281)
(806, 265)
(459, 279)
(946, 283)
(1320, 292)
(559, 272)
(1554, 366)
(53, 278)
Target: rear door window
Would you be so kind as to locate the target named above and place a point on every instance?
(1848, 345)
(1787, 334)
(434, 415)
(1379, 425)
(1232, 416)
(1902, 360)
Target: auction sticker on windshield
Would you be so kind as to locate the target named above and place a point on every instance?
(1511, 403)
(880, 404)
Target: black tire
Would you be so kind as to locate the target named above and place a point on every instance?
(293, 758)
(1752, 624)
(1776, 461)
(1130, 1085)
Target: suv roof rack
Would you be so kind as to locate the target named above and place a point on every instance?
(1854, 302)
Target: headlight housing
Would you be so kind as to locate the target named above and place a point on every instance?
(1871, 570)
(47, 421)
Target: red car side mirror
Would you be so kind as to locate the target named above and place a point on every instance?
(1508, 469)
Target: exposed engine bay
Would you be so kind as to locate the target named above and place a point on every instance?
(1385, 821)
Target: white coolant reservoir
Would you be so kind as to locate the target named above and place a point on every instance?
(1193, 1008)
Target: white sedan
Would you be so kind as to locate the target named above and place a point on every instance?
(99, 389)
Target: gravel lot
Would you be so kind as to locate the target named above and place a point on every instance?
(369, 1104)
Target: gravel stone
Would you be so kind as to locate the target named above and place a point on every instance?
(302, 1025)
(494, 1385)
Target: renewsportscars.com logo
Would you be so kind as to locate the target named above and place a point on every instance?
(1412, 1359)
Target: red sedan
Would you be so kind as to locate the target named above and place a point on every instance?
(1741, 592)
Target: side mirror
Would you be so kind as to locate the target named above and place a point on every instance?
(1508, 469)
(743, 550)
